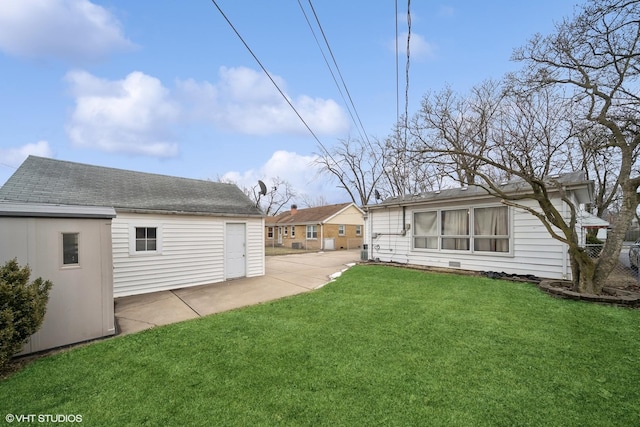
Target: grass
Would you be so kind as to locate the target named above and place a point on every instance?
(379, 346)
(283, 250)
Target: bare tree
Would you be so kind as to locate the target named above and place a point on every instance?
(313, 201)
(448, 123)
(356, 164)
(596, 58)
(584, 74)
(280, 192)
(404, 171)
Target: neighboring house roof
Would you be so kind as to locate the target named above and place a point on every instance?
(589, 220)
(575, 181)
(317, 215)
(47, 181)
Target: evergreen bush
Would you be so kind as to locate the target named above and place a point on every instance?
(22, 307)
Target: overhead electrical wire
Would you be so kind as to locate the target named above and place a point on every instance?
(328, 153)
(326, 61)
(270, 78)
(406, 92)
(397, 66)
(335, 63)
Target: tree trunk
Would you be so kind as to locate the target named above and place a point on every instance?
(585, 280)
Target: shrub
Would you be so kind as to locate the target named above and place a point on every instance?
(593, 240)
(22, 307)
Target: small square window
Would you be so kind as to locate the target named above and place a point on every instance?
(70, 254)
(146, 239)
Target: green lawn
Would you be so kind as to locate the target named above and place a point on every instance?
(379, 346)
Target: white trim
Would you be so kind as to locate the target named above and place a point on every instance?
(470, 237)
(132, 238)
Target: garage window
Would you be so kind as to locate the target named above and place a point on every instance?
(145, 239)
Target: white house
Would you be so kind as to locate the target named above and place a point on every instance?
(166, 233)
(466, 228)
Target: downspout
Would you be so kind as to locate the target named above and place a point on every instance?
(322, 236)
(565, 247)
(404, 220)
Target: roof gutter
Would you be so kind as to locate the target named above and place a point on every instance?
(163, 212)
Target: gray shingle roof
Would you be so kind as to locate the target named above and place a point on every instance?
(515, 186)
(42, 180)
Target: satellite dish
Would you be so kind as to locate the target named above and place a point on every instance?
(263, 188)
(377, 194)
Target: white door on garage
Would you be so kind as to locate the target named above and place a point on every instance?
(235, 252)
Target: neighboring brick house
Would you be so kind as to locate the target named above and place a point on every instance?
(328, 227)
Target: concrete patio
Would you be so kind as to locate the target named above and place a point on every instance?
(286, 275)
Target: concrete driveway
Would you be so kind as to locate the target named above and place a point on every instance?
(286, 275)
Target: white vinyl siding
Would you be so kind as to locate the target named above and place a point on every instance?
(192, 252)
(533, 250)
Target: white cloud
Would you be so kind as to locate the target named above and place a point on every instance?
(15, 156)
(132, 115)
(446, 11)
(299, 170)
(245, 101)
(73, 30)
(419, 47)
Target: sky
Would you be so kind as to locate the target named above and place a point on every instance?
(168, 87)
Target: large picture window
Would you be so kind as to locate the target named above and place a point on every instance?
(482, 229)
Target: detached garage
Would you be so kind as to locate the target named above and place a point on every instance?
(167, 233)
(71, 246)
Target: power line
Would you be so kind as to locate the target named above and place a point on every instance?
(9, 166)
(278, 87)
(397, 66)
(338, 69)
(326, 61)
(269, 76)
(406, 92)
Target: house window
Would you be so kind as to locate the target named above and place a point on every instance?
(286, 231)
(484, 229)
(341, 230)
(269, 232)
(358, 230)
(491, 229)
(455, 229)
(146, 239)
(70, 249)
(293, 231)
(425, 233)
(312, 231)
